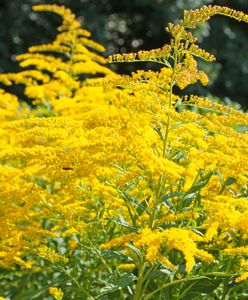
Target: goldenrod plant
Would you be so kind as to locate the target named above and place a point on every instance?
(114, 187)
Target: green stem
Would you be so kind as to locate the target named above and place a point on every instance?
(92, 248)
(145, 278)
(164, 286)
(156, 196)
(139, 286)
(80, 287)
(167, 129)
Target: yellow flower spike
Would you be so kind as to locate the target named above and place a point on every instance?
(178, 31)
(242, 277)
(166, 262)
(153, 54)
(73, 244)
(21, 262)
(56, 293)
(198, 52)
(212, 231)
(118, 241)
(69, 19)
(123, 149)
(51, 48)
(239, 250)
(180, 216)
(126, 267)
(180, 239)
(244, 263)
(201, 15)
(187, 73)
(91, 44)
(50, 255)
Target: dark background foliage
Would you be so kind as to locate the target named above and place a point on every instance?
(131, 25)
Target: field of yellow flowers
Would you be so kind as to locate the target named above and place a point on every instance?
(114, 187)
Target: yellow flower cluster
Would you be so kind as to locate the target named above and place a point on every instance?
(53, 77)
(154, 54)
(50, 255)
(180, 239)
(126, 267)
(56, 293)
(8, 106)
(69, 19)
(244, 276)
(187, 73)
(201, 15)
(88, 154)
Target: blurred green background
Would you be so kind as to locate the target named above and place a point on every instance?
(130, 25)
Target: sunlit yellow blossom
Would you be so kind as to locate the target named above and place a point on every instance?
(242, 277)
(73, 244)
(120, 161)
(23, 263)
(56, 293)
(50, 255)
(238, 250)
(118, 241)
(211, 231)
(174, 238)
(126, 267)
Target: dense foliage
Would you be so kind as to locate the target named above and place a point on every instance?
(113, 186)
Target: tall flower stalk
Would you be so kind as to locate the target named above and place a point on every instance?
(114, 186)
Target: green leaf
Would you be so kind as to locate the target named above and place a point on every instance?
(198, 287)
(32, 294)
(201, 183)
(161, 272)
(166, 200)
(229, 181)
(136, 251)
(218, 173)
(110, 288)
(125, 280)
(142, 208)
(242, 128)
(121, 221)
(168, 204)
(187, 199)
(122, 282)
